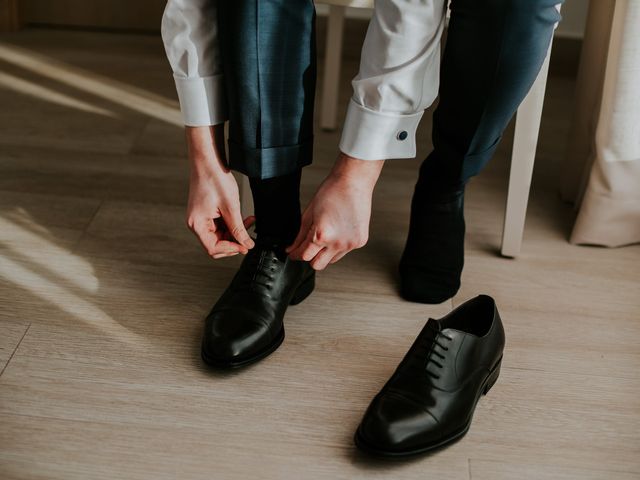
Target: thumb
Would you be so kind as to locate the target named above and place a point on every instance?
(237, 228)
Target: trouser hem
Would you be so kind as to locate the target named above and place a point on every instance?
(269, 162)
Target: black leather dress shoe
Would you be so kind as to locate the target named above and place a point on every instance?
(246, 324)
(430, 399)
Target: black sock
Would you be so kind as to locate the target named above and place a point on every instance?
(433, 258)
(277, 207)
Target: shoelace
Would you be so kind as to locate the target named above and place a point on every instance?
(261, 267)
(429, 342)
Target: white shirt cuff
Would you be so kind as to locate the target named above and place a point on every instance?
(202, 100)
(370, 135)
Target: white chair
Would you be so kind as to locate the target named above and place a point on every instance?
(526, 130)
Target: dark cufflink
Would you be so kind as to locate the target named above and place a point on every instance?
(402, 135)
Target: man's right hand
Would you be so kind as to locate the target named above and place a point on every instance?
(213, 211)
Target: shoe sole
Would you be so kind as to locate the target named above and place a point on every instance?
(303, 291)
(486, 386)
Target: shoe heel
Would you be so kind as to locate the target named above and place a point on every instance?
(493, 377)
(303, 290)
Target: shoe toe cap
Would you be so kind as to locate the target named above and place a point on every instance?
(396, 424)
(231, 336)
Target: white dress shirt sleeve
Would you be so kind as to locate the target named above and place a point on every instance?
(398, 79)
(190, 35)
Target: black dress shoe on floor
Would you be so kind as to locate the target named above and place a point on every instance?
(430, 399)
(246, 324)
(433, 257)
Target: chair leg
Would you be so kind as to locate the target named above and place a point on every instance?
(522, 158)
(333, 59)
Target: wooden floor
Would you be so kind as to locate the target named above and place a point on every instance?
(103, 292)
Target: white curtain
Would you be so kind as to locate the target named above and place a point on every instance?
(602, 172)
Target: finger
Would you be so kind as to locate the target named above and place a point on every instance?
(305, 225)
(235, 224)
(338, 256)
(227, 246)
(224, 255)
(322, 259)
(296, 253)
(212, 245)
(211, 225)
(310, 250)
(205, 236)
(247, 222)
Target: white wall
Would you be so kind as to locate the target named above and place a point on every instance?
(574, 15)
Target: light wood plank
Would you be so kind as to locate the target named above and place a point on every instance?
(12, 334)
(489, 470)
(89, 450)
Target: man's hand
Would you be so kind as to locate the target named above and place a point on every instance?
(213, 211)
(337, 219)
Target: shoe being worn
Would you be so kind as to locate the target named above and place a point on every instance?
(430, 399)
(246, 323)
(433, 257)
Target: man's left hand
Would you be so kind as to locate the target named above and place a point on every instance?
(337, 219)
